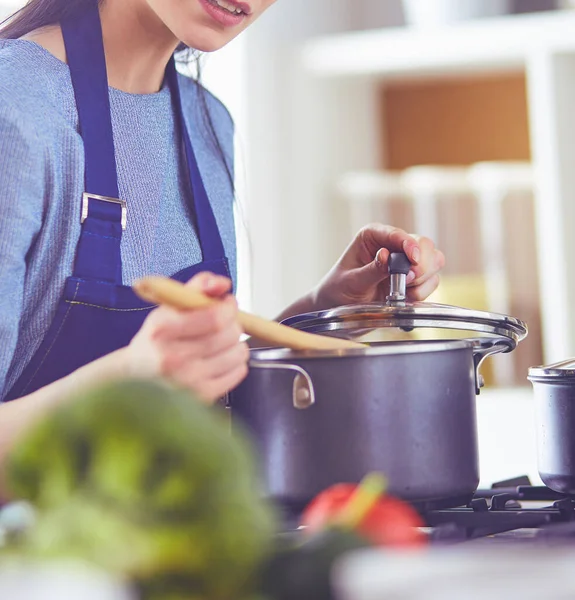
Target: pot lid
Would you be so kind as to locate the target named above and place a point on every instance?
(560, 370)
(357, 320)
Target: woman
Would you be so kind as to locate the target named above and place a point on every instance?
(109, 172)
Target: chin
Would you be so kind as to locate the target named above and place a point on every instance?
(210, 41)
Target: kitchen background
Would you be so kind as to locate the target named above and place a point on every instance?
(345, 114)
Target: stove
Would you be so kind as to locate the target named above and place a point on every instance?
(512, 511)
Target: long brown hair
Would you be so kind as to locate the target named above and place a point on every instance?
(40, 13)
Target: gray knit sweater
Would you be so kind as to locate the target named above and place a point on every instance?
(42, 180)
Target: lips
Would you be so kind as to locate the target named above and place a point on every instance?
(226, 12)
(233, 4)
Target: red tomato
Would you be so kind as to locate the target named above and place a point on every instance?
(390, 522)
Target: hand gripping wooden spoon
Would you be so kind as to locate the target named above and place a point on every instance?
(162, 290)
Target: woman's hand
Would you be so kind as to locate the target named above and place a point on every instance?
(361, 274)
(197, 349)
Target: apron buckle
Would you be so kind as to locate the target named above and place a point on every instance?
(86, 197)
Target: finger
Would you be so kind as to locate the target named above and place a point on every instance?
(423, 291)
(222, 341)
(382, 259)
(184, 366)
(191, 324)
(432, 261)
(232, 358)
(188, 364)
(375, 237)
(207, 347)
(211, 284)
(217, 388)
(360, 280)
(374, 273)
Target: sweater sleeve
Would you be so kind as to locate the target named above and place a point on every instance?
(21, 201)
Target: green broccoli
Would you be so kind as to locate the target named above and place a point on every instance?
(148, 483)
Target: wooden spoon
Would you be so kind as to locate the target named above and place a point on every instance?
(162, 290)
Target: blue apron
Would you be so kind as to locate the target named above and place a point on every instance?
(97, 314)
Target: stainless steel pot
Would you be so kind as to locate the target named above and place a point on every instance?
(554, 389)
(406, 409)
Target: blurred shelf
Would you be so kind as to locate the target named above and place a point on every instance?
(492, 45)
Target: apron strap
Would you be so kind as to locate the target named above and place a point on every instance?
(208, 232)
(103, 214)
(98, 253)
(87, 62)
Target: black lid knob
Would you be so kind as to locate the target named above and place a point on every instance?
(398, 264)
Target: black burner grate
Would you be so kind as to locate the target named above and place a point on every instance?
(511, 511)
(506, 508)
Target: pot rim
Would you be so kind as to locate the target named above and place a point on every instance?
(557, 372)
(353, 320)
(375, 349)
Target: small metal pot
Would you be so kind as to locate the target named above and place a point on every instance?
(405, 409)
(554, 389)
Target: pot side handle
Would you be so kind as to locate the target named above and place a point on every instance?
(484, 347)
(303, 392)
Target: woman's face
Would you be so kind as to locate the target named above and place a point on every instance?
(208, 25)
